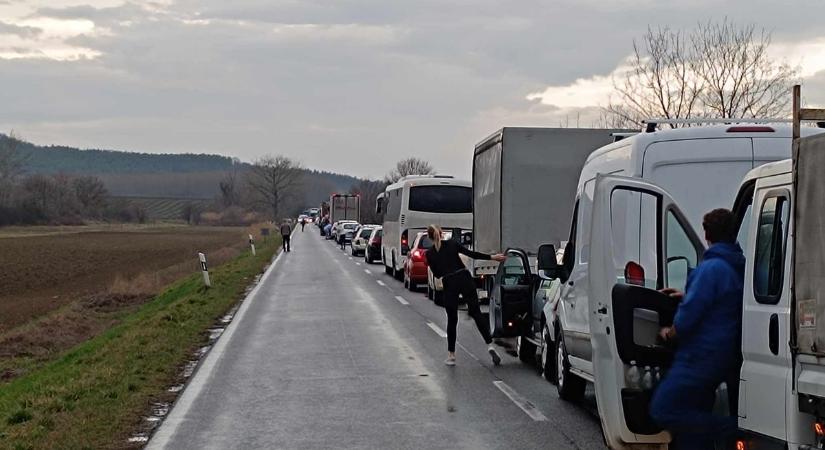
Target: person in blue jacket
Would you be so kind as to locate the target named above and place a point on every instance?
(707, 330)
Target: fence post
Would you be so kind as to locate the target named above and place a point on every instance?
(252, 244)
(205, 270)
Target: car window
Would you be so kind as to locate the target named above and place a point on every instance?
(771, 237)
(635, 253)
(512, 271)
(681, 256)
(379, 233)
(425, 242)
(365, 233)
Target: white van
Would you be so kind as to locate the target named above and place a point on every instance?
(633, 240)
(700, 166)
(413, 203)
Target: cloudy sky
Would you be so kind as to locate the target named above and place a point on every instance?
(343, 85)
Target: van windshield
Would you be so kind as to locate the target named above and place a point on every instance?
(441, 199)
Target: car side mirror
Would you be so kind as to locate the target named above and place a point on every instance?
(547, 265)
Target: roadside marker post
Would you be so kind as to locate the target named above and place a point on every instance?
(205, 270)
(252, 244)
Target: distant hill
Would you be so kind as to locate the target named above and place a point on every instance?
(167, 176)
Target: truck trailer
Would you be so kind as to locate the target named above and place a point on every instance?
(344, 207)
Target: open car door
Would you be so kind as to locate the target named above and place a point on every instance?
(511, 299)
(639, 243)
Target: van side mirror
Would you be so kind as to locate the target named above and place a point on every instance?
(547, 265)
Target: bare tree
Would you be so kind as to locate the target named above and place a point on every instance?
(12, 164)
(660, 81)
(409, 166)
(230, 191)
(718, 70)
(91, 193)
(274, 179)
(739, 78)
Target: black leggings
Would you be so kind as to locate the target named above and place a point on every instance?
(462, 283)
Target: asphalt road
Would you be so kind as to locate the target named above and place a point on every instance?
(332, 353)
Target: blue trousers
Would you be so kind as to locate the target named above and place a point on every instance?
(683, 403)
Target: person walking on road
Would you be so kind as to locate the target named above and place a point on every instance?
(303, 224)
(445, 263)
(286, 231)
(708, 326)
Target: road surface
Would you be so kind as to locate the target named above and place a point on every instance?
(330, 352)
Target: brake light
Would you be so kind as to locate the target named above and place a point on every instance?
(750, 129)
(819, 429)
(741, 445)
(634, 274)
(405, 247)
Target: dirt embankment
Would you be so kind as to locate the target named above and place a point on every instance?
(57, 290)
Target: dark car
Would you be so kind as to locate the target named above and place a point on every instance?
(373, 250)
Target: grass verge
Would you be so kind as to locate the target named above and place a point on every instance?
(95, 394)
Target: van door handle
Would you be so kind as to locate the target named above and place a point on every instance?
(773, 334)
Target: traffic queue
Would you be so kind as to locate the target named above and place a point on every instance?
(657, 266)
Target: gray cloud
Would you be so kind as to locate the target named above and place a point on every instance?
(22, 31)
(350, 85)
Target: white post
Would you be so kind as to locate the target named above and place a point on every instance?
(252, 244)
(205, 270)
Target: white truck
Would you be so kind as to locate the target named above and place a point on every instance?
(523, 181)
(344, 207)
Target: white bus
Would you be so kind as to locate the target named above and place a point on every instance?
(413, 203)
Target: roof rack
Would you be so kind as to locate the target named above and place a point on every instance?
(618, 136)
(650, 124)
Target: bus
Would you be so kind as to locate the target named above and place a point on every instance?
(414, 202)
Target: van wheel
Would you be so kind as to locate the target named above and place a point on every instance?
(526, 351)
(548, 358)
(429, 292)
(569, 386)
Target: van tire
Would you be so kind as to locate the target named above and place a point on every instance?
(397, 274)
(569, 386)
(547, 362)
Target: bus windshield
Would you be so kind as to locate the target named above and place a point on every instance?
(441, 199)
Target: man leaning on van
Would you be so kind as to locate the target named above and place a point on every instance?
(708, 327)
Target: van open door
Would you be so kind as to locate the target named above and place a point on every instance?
(639, 243)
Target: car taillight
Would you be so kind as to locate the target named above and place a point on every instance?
(634, 274)
(375, 241)
(418, 255)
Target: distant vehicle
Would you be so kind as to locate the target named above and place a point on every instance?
(344, 207)
(373, 250)
(413, 203)
(346, 231)
(360, 239)
(415, 266)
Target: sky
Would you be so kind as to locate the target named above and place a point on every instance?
(350, 86)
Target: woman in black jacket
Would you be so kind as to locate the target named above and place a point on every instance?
(445, 263)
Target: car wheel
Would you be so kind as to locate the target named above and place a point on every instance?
(569, 386)
(429, 292)
(526, 351)
(548, 357)
(411, 285)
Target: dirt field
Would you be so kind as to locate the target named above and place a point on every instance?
(44, 270)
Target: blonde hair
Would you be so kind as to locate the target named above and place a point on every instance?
(434, 233)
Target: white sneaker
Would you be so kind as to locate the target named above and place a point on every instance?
(494, 354)
(450, 361)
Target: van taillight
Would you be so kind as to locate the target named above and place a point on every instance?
(750, 129)
(634, 274)
(405, 247)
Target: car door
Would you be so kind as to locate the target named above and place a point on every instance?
(510, 302)
(766, 313)
(627, 268)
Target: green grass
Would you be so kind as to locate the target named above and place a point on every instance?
(94, 395)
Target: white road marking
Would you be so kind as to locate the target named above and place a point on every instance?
(525, 405)
(368, 271)
(437, 330)
(380, 283)
(357, 264)
(467, 351)
(401, 300)
(349, 257)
